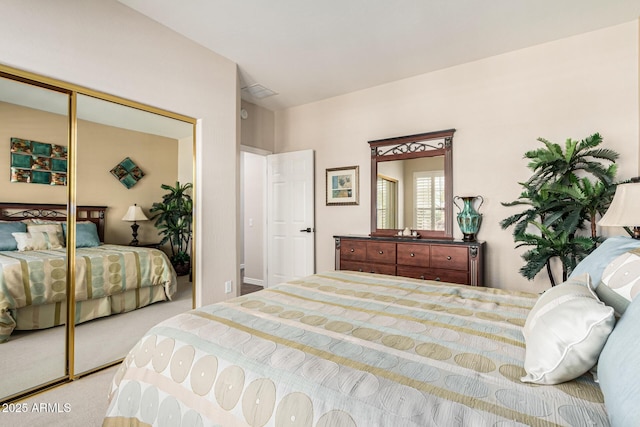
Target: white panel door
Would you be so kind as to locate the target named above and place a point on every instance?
(290, 216)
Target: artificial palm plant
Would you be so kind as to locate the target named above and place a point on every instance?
(173, 219)
(559, 203)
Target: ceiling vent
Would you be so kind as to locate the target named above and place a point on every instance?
(258, 91)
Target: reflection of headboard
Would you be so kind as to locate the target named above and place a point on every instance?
(52, 212)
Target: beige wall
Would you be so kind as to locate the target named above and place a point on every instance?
(570, 88)
(100, 148)
(185, 160)
(36, 125)
(258, 128)
(107, 46)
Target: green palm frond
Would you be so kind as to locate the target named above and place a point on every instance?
(569, 187)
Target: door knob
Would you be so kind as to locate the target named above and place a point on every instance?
(306, 230)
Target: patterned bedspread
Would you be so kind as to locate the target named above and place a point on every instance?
(38, 278)
(344, 349)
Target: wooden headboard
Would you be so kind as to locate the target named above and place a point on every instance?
(53, 212)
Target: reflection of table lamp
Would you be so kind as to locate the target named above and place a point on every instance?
(624, 210)
(135, 214)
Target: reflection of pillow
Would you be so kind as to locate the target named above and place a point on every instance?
(596, 261)
(619, 369)
(54, 230)
(86, 234)
(35, 241)
(565, 332)
(621, 281)
(7, 241)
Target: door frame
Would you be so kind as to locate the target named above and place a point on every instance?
(264, 154)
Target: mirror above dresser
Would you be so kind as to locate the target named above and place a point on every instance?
(412, 185)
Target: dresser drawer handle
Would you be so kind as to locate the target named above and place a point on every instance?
(360, 270)
(352, 250)
(380, 252)
(412, 254)
(422, 277)
(437, 279)
(449, 257)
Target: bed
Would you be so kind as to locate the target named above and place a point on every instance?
(109, 279)
(345, 349)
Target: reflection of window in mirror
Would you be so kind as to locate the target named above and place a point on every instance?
(387, 202)
(429, 200)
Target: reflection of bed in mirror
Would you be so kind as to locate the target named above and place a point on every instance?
(109, 279)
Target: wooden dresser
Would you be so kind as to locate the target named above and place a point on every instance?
(453, 261)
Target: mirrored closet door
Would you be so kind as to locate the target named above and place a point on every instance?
(34, 134)
(125, 155)
(83, 170)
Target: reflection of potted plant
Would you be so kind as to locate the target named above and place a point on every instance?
(174, 217)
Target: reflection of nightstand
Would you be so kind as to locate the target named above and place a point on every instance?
(148, 245)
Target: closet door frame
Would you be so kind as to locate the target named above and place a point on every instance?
(72, 91)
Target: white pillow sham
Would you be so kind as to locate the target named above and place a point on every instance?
(565, 332)
(621, 281)
(56, 239)
(35, 241)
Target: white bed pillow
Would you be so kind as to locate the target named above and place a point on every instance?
(56, 239)
(595, 263)
(565, 332)
(621, 281)
(35, 241)
(619, 369)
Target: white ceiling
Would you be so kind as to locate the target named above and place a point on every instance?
(93, 110)
(309, 50)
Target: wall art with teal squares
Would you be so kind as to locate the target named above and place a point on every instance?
(127, 172)
(38, 162)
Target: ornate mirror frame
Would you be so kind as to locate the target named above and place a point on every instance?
(428, 144)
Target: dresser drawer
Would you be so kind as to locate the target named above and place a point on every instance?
(389, 269)
(437, 274)
(416, 255)
(365, 267)
(451, 276)
(353, 266)
(353, 250)
(450, 257)
(381, 252)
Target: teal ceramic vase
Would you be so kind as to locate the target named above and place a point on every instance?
(469, 219)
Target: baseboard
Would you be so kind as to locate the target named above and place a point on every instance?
(250, 281)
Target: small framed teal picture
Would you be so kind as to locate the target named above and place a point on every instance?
(127, 172)
(342, 186)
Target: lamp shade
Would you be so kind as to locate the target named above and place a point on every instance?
(624, 210)
(135, 214)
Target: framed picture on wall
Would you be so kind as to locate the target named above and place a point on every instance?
(38, 162)
(342, 186)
